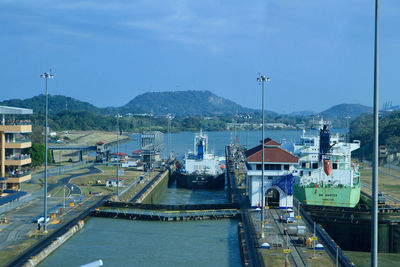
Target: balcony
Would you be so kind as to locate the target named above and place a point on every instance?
(19, 144)
(18, 160)
(23, 126)
(19, 178)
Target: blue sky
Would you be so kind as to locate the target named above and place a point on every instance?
(317, 53)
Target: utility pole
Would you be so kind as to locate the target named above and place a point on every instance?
(374, 215)
(261, 79)
(46, 76)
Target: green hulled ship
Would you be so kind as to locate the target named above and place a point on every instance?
(326, 175)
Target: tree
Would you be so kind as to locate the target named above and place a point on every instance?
(38, 156)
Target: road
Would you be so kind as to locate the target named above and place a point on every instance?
(73, 189)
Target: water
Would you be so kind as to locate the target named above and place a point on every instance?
(183, 141)
(121, 242)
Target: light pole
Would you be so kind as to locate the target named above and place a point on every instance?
(374, 219)
(248, 117)
(118, 156)
(46, 76)
(261, 79)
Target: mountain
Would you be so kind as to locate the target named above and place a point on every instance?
(341, 111)
(184, 103)
(57, 103)
(304, 113)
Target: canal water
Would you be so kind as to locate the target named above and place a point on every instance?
(121, 242)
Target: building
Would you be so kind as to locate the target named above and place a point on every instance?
(279, 166)
(151, 147)
(14, 145)
(113, 182)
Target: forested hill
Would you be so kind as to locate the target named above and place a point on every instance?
(343, 110)
(184, 103)
(57, 103)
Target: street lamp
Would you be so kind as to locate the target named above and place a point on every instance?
(261, 79)
(118, 133)
(46, 76)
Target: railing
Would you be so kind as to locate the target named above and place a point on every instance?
(330, 244)
(18, 157)
(17, 122)
(18, 174)
(26, 140)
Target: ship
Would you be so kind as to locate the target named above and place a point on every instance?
(326, 176)
(201, 169)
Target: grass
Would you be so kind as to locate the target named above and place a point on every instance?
(13, 251)
(387, 183)
(362, 259)
(96, 182)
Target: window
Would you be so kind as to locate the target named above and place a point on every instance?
(301, 173)
(309, 173)
(315, 165)
(334, 166)
(286, 167)
(258, 167)
(272, 167)
(303, 164)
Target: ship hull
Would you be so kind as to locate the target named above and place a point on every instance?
(200, 181)
(328, 196)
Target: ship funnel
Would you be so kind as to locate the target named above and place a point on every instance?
(324, 142)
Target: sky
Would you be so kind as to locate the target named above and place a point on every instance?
(316, 53)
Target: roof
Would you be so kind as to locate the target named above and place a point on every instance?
(272, 153)
(120, 154)
(15, 111)
(137, 151)
(269, 142)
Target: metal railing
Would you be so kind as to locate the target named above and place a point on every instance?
(18, 157)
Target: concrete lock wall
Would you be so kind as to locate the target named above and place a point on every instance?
(156, 190)
(357, 236)
(35, 260)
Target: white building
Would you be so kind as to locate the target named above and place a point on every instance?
(279, 166)
(113, 182)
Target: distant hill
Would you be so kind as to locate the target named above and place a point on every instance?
(184, 103)
(57, 103)
(305, 113)
(342, 110)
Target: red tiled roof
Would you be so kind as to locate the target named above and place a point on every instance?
(272, 153)
(269, 142)
(137, 151)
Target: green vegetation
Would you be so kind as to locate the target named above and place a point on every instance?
(389, 133)
(37, 154)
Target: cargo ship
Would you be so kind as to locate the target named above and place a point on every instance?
(326, 176)
(201, 169)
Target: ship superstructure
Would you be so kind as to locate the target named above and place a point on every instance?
(326, 176)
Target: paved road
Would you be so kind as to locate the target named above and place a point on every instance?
(73, 189)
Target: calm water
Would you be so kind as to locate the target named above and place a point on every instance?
(141, 243)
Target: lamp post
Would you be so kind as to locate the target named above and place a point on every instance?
(261, 79)
(118, 156)
(374, 215)
(46, 76)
